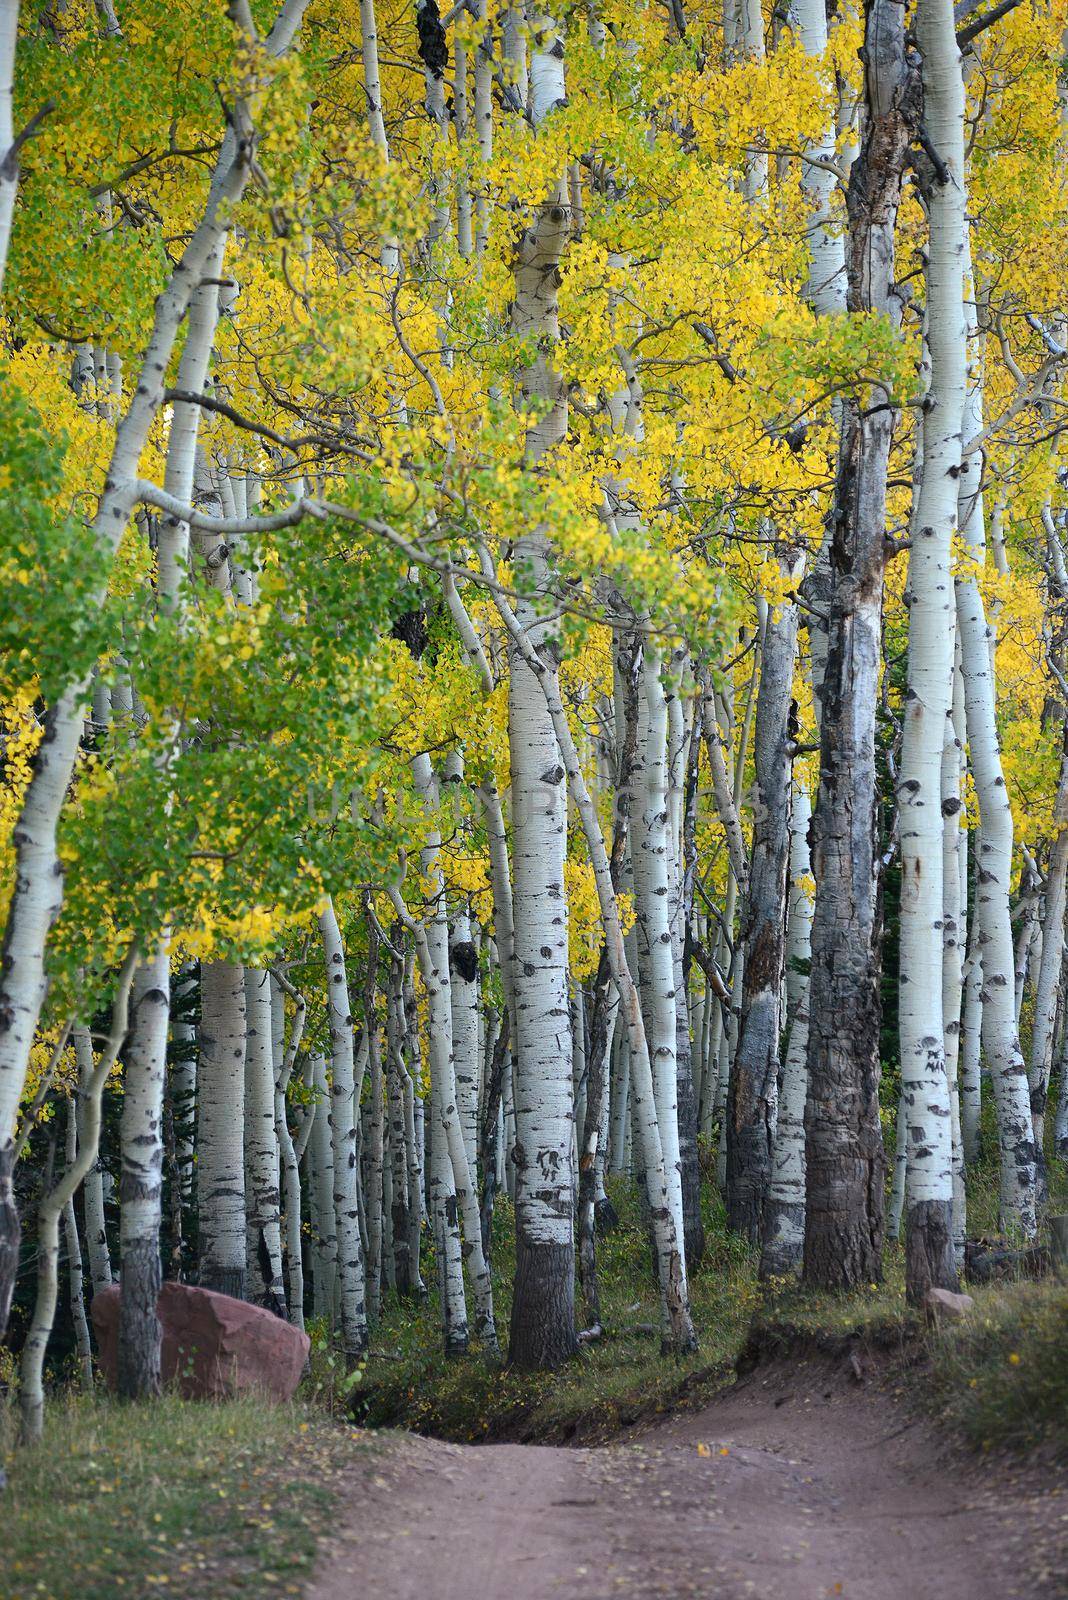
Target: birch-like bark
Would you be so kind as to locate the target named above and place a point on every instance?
(432, 949)
(843, 1140)
(141, 1179)
(929, 1183)
(75, 1272)
(464, 995)
(350, 1260)
(1000, 1032)
(969, 1070)
(784, 1209)
(374, 1145)
(290, 1151)
(753, 1088)
(952, 963)
(650, 862)
(183, 1080)
(543, 1321)
(96, 1236)
(263, 1223)
(220, 1128)
(324, 1216)
(667, 1242)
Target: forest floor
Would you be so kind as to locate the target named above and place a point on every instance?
(810, 1477)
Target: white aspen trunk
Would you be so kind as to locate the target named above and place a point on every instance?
(31, 1365)
(432, 949)
(970, 1073)
(220, 1128)
(75, 1276)
(324, 1216)
(1000, 1035)
(96, 1237)
(140, 1183)
(1029, 937)
(350, 1260)
(290, 1151)
(374, 1199)
(784, 1211)
(263, 1223)
(929, 1255)
(753, 1087)
(953, 968)
(650, 863)
(543, 1324)
(681, 871)
(407, 1227)
(183, 1081)
(464, 994)
(668, 1242)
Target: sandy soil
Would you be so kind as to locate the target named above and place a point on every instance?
(798, 1484)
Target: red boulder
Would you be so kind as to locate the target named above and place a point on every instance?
(213, 1346)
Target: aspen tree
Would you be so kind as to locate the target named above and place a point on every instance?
(1000, 1035)
(141, 1179)
(925, 1088)
(350, 1266)
(220, 1128)
(543, 1323)
(843, 1140)
(263, 1214)
(784, 1211)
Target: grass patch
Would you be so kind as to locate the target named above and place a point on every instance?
(1001, 1375)
(175, 1497)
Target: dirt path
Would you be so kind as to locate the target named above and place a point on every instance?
(797, 1485)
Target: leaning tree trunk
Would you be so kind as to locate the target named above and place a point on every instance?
(96, 1236)
(928, 703)
(75, 1269)
(843, 1139)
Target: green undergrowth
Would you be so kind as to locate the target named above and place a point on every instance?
(614, 1381)
(965, 1369)
(176, 1497)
